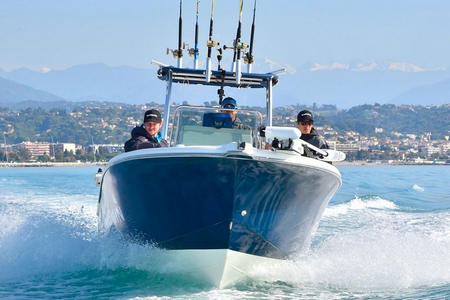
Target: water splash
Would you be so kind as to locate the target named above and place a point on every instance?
(418, 188)
(364, 249)
(359, 203)
(368, 247)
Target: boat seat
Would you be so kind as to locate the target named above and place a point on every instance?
(217, 120)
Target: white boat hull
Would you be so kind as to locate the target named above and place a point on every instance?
(218, 267)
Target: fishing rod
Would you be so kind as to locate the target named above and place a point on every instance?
(178, 53)
(238, 46)
(194, 51)
(180, 29)
(210, 44)
(248, 59)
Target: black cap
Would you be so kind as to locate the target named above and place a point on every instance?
(305, 116)
(152, 115)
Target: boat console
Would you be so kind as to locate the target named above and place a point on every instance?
(210, 126)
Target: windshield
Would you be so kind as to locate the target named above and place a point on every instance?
(210, 126)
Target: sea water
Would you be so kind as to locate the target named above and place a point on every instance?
(385, 235)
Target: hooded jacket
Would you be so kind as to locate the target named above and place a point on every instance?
(141, 139)
(315, 139)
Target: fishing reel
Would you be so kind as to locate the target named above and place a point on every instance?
(192, 51)
(241, 45)
(175, 52)
(238, 46)
(248, 59)
(211, 43)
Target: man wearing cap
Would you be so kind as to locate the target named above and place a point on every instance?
(305, 123)
(230, 107)
(147, 135)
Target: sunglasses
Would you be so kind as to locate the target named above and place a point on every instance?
(229, 106)
(306, 123)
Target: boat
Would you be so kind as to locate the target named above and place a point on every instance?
(216, 199)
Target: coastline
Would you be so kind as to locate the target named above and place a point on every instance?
(102, 164)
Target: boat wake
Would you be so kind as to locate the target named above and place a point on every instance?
(366, 243)
(360, 203)
(42, 239)
(371, 243)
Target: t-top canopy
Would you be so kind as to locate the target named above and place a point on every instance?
(192, 76)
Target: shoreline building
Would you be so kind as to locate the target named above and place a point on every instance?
(35, 149)
(61, 147)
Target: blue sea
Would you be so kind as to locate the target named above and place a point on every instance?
(385, 235)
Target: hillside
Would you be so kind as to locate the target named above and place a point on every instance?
(111, 123)
(12, 93)
(94, 82)
(437, 93)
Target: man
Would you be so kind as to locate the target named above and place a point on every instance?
(305, 123)
(230, 107)
(147, 135)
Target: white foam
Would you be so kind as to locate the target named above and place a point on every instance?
(40, 234)
(363, 244)
(359, 204)
(10, 223)
(418, 188)
(385, 250)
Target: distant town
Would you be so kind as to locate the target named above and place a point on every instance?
(384, 145)
(95, 132)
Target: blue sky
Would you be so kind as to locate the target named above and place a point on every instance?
(56, 34)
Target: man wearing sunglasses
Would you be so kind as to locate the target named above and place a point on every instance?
(229, 106)
(305, 123)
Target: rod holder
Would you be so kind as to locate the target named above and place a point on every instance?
(208, 69)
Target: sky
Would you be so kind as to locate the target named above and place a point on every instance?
(304, 35)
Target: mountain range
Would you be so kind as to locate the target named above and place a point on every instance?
(344, 87)
(15, 95)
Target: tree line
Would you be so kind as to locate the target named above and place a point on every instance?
(111, 123)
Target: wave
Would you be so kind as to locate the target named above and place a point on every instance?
(361, 245)
(418, 188)
(52, 239)
(360, 203)
(40, 234)
(409, 252)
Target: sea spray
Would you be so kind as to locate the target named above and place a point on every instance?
(388, 243)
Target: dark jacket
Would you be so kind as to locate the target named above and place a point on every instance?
(315, 139)
(140, 139)
(237, 124)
